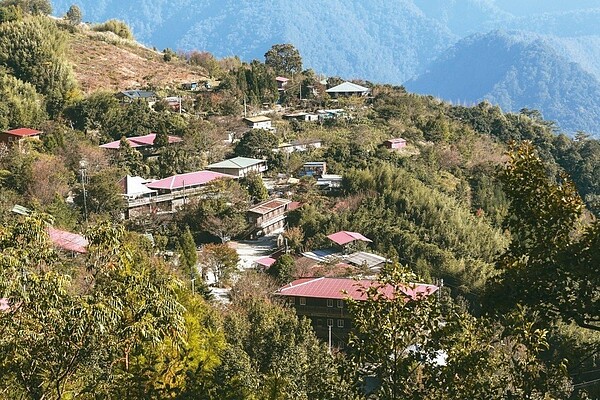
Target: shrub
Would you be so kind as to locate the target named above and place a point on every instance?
(115, 26)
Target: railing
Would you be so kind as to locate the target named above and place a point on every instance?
(162, 198)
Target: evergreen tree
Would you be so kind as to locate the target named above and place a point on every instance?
(74, 15)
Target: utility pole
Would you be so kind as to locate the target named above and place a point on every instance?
(82, 165)
(329, 326)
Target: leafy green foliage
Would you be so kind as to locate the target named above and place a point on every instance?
(421, 348)
(74, 15)
(283, 269)
(221, 260)
(284, 59)
(549, 264)
(115, 26)
(21, 104)
(61, 336)
(256, 188)
(34, 51)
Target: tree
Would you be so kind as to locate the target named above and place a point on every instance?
(102, 193)
(188, 254)
(74, 15)
(552, 263)
(21, 104)
(34, 50)
(68, 324)
(130, 159)
(256, 143)
(34, 7)
(284, 59)
(161, 139)
(283, 269)
(255, 187)
(221, 259)
(407, 346)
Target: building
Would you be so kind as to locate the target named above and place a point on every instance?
(144, 144)
(172, 192)
(329, 182)
(313, 168)
(137, 195)
(19, 135)
(239, 166)
(268, 216)
(129, 96)
(190, 86)
(397, 143)
(348, 89)
(259, 122)
(299, 145)
(281, 83)
(324, 301)
(67, 241)
(302, 117)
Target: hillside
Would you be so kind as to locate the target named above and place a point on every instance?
(104, 61)
(515, 71)
(383, 42)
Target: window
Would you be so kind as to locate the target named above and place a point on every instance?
(302, 301)
(329, 322)
(340, 303)
(329, 302)
(341, 345)
(340, 323)
(292, 301)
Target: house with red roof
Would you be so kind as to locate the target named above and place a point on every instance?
(164, 196)
(324, 302)
(18, 135)
(67, 241)
(144, 144)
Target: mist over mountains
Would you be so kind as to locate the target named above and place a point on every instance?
(546, 55)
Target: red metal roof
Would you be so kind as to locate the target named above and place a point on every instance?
(139, 141)
(344, 237)
(67, 240)
(187, 180)
(23, 132)
(266, 261)
(343, 288)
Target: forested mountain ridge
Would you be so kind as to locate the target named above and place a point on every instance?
(516, 70)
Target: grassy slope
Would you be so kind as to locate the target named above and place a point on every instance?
(104, 61)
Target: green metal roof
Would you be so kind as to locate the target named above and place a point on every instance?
(237, 162)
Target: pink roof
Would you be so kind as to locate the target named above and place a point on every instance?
(266, 261)
(67, 240)
(139, 141)
(344, 237)
(4, 304)
(343, 288)
(188, 180)
(23, 132)
(281, 79)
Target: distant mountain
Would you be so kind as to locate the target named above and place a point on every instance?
(516, 70)
(394, 41)
(383, 41)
